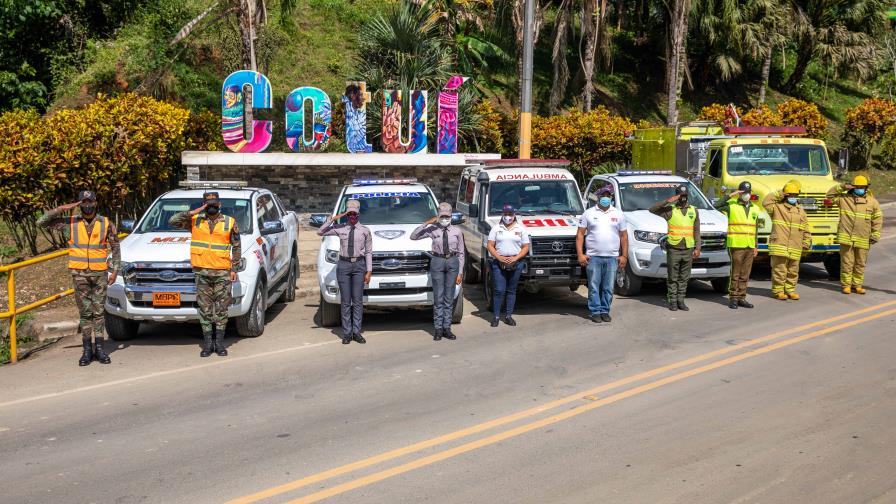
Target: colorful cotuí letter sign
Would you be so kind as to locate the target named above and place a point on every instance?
(314, 137)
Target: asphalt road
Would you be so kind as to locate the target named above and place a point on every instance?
(789, 402)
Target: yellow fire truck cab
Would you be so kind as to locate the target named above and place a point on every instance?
(718, 160)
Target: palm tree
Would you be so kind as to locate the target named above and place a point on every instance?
(679, 12)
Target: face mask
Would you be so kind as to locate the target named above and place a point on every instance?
(445, 221)
(858, 192)
(507, 219)
(683, 201)
(745, 197)
(212, 209)
(88, 209)
(353, 219)
(604, 202)
(791, 200)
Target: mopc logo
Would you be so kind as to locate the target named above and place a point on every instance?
(315, 136)
(170, 239)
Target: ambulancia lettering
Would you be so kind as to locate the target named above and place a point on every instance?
(533, 176)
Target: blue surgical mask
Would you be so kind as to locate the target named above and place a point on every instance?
(604, 201)
(859, 192)
(791, 200)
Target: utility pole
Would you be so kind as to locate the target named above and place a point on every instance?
(526, 82)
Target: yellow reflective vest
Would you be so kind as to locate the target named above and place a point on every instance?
(88, 251)
(742, 224)
(860, 218)
(211, 249)
(681, 227)
(790, 227)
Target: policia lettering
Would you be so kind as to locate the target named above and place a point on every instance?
(743, 217)
(215, 251)
(790, 237)
(91, 239)
(860, 224)
(682, 244)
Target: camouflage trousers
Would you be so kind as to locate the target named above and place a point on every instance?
(213, 299)
(90, 296)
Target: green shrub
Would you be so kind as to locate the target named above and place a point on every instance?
(587, 140)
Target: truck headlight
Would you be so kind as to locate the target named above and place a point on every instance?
(128, 271)
(649, 236)
(332, 256)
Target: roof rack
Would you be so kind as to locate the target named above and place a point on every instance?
(526, 163)
(366, 182)
(212, 184)
(630, 173)
(765, 130)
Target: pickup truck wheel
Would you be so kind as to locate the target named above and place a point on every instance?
(330, 314)
(121, 329)
(832, 266)
(720, 285)
(289, 295)
(458, 313)
(251, 325)
(471, 275)
(631, 283)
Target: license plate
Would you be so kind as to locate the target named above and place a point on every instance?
(391, 285)
(166, 299)
(810, 207)
(701, 260)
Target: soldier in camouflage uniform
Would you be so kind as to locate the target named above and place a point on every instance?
(215, 253)
(91, 238)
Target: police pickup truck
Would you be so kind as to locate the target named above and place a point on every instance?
(157, 283)
(547, 200)
(634, 193)
(391, 208)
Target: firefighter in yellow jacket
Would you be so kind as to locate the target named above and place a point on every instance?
(215, 252)
(92, 238)
(790, 237)
(859, 228)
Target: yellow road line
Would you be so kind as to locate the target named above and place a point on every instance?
(522, 429)
(462, 433)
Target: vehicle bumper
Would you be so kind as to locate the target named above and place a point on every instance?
(135, 303)
(405, 289)
(650, 262)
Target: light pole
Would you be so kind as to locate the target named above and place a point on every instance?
(526, 82)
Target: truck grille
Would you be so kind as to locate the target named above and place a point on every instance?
(714, 241)
(160, 275)
(813, 204)
(554, 247)
(406, 263)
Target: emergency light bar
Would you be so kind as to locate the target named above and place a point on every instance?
(765, 130)
(626, 173)
(366, 182)
(212, 184)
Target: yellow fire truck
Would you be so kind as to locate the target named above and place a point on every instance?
(718, 159)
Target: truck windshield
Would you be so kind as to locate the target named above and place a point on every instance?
(777, 159)
(406, 207)
(559, 197)
(643, 195)
(156, 218)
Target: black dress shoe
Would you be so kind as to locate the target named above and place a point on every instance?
(682, 306)
(495, 322)
(605, 317)
(346, 340)
(438, 335)
(596, 318)
(359, 338)
(509, 321)
(744, 303)
(448, 334)
(673, 306)
(732, 304)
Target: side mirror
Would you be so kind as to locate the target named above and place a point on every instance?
(458, 218)
(474, 210)
(272, 227)
(317, 220)
(127, 226)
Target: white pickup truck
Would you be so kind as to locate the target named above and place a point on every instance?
(635, 192)
(391, 208)
(157, 283)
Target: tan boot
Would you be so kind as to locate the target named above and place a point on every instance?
(847, 289)
(793, 295)
(781, 296)
(859, 289)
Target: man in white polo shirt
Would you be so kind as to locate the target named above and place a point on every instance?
(603, 238)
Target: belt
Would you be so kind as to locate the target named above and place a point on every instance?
(350, 259)
(444, 256)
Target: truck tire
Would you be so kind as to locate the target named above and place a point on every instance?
(121, 329)
(251, 325)
(471, 275)
(289, 295)
(330, 314)
(832, 266)
(631, 283)
(458, 313)
(720, 285)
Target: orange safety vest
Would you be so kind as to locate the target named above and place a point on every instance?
(87, 251)
(209, 249)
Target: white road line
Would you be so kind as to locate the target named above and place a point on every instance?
(133, 379)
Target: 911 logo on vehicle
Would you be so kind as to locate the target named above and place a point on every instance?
(561, 222)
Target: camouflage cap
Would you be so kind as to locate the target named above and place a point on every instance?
(210, 196)
(87, 195)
